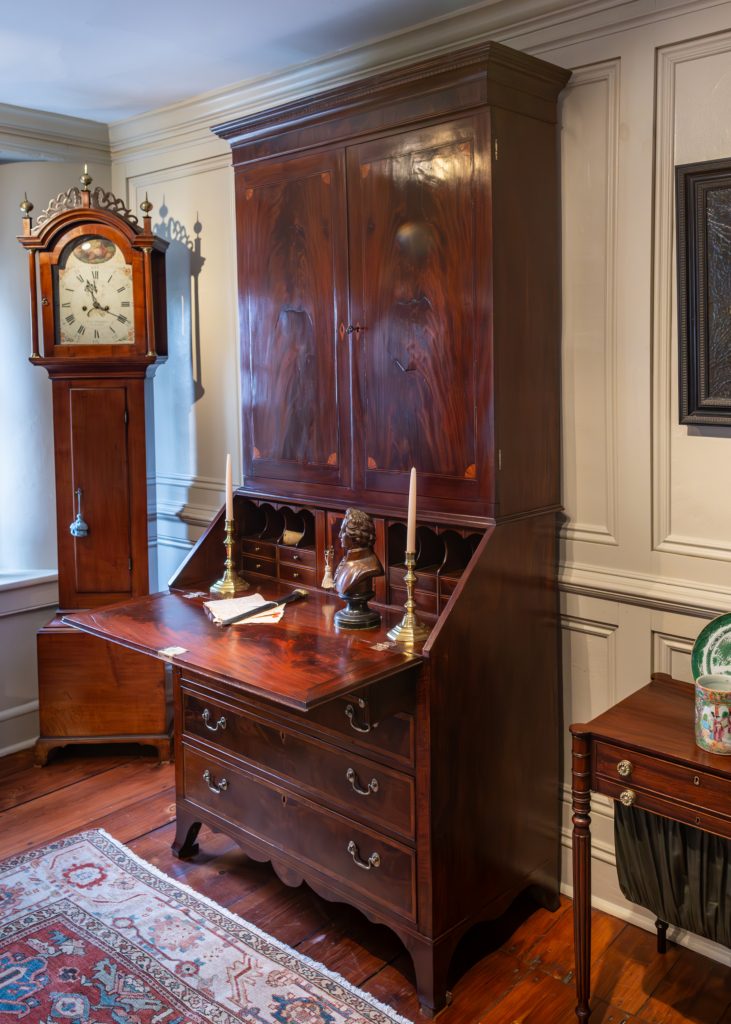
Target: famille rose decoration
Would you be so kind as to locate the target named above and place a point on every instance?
(712, 713)
(711, 665)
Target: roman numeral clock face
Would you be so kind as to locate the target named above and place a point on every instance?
(94, 301)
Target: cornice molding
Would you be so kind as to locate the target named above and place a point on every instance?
(534, 26)
(39, 135)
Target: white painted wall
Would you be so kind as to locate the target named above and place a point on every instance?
(647, 542)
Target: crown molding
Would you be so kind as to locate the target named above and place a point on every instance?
(534, 26)
(39, 135)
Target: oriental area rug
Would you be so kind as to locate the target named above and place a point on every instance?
(92, 934)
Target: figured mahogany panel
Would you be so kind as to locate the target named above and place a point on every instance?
(413, 279)
(292, 237)
(262, 806)
(99, 468)
(302, 661)
(308, 764)
(80, 678)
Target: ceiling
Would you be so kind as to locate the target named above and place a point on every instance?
(107, 60)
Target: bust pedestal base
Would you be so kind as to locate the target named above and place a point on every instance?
(357, 615)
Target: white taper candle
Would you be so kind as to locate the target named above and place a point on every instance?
(411, 528)
(229, 490)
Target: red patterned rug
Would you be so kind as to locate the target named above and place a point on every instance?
(92, 934)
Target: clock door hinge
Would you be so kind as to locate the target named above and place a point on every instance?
(126, 416)
(130, 565)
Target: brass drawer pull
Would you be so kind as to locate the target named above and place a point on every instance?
(223, 784)
(258, 565)
(351, 715)
(220, 724)
(373, 861)
(624, 768)
(296, 558)
(628, 797)
(352, 778)
(296, 575)
(257, 549)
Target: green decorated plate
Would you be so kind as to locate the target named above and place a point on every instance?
(712, 650)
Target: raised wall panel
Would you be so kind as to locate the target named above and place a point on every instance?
(692, 126)
(589, 138)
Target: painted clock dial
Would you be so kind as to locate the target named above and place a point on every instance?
(94, 298)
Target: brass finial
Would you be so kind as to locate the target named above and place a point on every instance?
(146, 206)
(26, 206)
(86, 179)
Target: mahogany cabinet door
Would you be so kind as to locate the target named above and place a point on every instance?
(92, 455)
(419, 250)
(293, 281)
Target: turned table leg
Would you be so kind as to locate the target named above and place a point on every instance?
(581, 792)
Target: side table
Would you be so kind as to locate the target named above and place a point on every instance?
(642, 753)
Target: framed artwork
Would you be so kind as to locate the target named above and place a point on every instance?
(703, 196)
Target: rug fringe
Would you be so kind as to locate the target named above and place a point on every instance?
(388, 1011)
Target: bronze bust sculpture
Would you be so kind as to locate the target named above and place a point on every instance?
(357, 568)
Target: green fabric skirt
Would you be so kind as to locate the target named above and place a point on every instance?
(678, 872)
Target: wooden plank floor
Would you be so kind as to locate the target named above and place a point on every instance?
(518, 970)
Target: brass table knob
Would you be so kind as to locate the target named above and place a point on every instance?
(624, 768)
(628, 797)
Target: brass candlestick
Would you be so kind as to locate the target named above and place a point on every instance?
(410, 630)
(230, 583)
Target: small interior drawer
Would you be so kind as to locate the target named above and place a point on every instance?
(674, 782)
(255, 563)
(424, 602)
(425, 581)
(297, 556)
(261, 548)
(298, 574)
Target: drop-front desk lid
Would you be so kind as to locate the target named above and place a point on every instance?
(301, 661)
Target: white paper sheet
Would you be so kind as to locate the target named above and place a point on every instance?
(224, 609)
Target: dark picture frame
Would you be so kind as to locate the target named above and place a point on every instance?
(703, 207)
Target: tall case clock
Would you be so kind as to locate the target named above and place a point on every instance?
(100, 331)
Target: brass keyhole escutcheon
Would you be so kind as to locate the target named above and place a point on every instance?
(696, 781)
(284, 798)
(282, 736)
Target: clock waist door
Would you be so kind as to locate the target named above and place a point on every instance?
(93, 492)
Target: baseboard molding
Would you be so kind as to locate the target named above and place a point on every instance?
(644, 919)
(15, 747)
